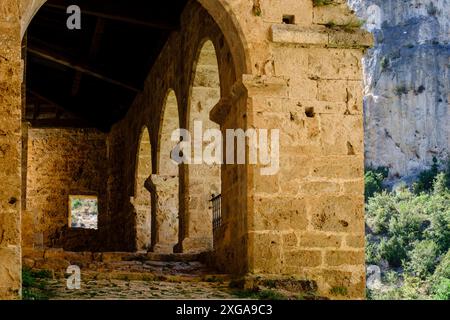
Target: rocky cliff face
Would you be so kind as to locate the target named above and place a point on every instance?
(407, 113)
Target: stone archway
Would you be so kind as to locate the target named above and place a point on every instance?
(202, 181)
(165, 184)
(221, 11)
(142, 197)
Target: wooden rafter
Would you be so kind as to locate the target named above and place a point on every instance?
(83, 69)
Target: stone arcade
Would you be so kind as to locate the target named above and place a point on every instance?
(273, 64)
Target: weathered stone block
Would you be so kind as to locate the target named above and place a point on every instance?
(291, 34)
(340, 258)
(290, 241)
(319, 240)
(279, 214)
(343, 284)
(303, 258)
(10, 272)
(275, 10)
(339, 14)
(343, 167)
(334, 64)
(265, 253)
(337, 213)
(355, 241)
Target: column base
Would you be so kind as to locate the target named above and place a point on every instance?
(196, 245)
(165, 248)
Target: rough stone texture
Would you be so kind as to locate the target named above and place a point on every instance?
(10, 149)
(166, 217)
(142, 199)
(202, 180)
(63, 162)
(289, 224)
(407, 82)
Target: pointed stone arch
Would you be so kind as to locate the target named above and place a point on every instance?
(201, 181)
(142, 196)
(221, 11)
(165, 183)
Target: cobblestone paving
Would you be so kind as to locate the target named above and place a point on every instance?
(139, 290)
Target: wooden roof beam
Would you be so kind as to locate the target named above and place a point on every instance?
(83, 69)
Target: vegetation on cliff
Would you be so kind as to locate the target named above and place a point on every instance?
(408, 236)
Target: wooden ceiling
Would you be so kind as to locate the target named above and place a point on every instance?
(90, 77)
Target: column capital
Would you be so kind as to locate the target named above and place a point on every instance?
(157, 182)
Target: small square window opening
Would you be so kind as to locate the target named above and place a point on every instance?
(83, 212)
(289, 19)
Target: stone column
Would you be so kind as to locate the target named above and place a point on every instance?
(11, 69)
(166, 190)
(307, 219)
(204, 181)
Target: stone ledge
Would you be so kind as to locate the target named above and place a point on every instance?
(250, 85)
(320, 36)
(293, 286)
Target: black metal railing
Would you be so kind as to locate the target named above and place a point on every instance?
(216, 202)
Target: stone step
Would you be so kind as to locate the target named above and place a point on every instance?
(148, 276)
(150, 256)
(58, 260)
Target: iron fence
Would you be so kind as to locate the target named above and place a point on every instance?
(217, 211)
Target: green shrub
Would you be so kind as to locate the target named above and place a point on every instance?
(442, 290)
(401, 90)
(320, 3)
(384, 64)
(393, 250)
(259, 294)
(407, 224)
(440, 183)
(422, 259)
(34, 284)
(373, 180)
(77, 203)
(438, 213)
(426, 178)
(372, 253)
(443, 269)
(411, 231)
(440, 281)
(380, 210)
(373, 184)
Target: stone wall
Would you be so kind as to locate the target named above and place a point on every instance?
(283, 64)
(202, 180)
(307, 221)
(63, 162)
(142, 200)
(11, 67)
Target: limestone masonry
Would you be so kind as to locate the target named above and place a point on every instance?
(272, 64)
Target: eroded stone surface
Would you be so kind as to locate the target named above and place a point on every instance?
(406, 108)
(310, 91)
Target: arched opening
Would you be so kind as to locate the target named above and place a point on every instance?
(165, 183)
(74, 81)
(202, 181)
(103, 81)
(142, 196)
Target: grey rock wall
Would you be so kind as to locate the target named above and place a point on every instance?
(407, 113)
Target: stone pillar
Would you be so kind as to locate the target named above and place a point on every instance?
(307, 220)
(231, 239)
(166, 191)
(204, 181)
(11, 69)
